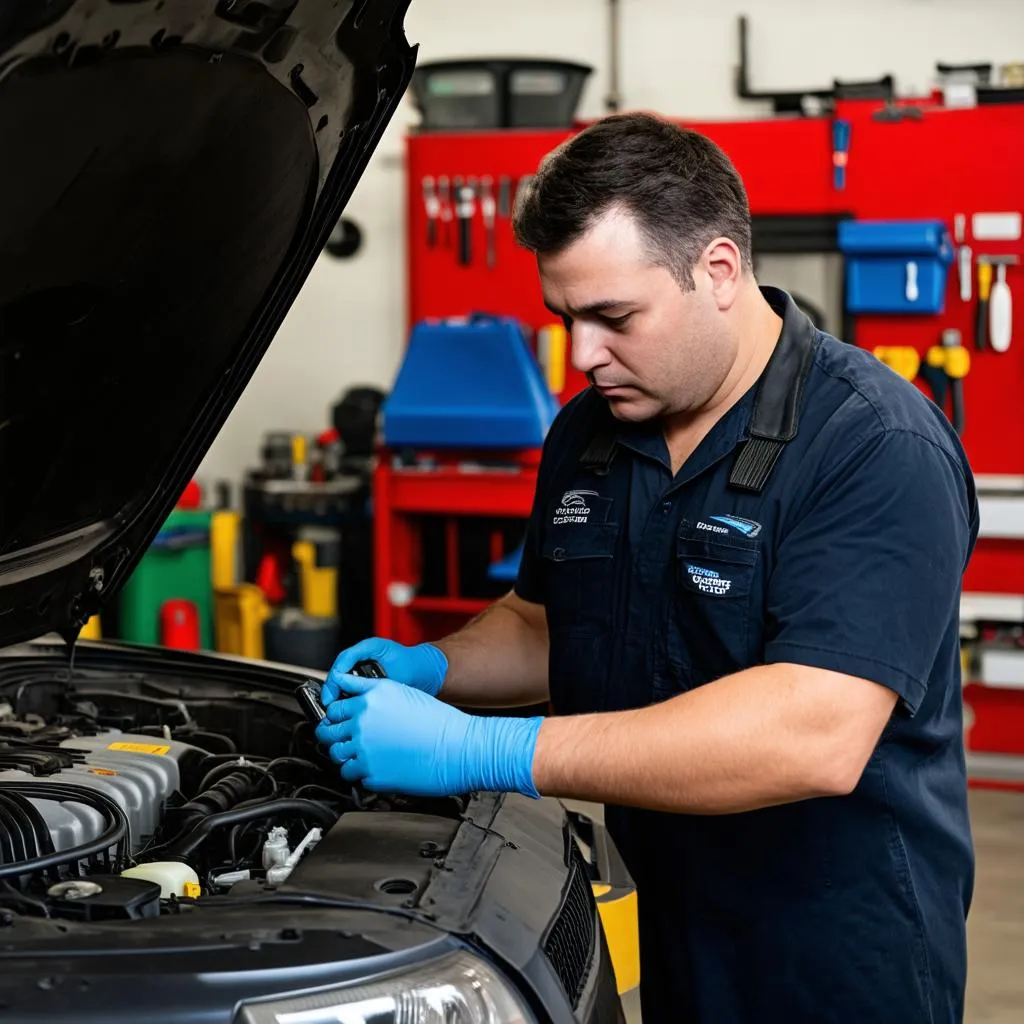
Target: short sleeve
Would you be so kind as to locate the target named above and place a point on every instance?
(867, 579)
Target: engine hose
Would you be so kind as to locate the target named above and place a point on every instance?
(181, 848)
(115, 835)
(230, 767)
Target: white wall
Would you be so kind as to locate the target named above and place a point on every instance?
(677, 56)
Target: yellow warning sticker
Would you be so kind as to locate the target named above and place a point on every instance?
(139, 748)
(193, 890)
(103, 771)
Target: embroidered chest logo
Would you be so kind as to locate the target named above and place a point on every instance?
(729, 524)
(708, 581)
(573, 508)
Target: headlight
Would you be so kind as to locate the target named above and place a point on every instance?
(455, 989)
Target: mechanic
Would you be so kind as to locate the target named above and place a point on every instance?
(740, 592)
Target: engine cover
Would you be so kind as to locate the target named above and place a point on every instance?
(139, 772)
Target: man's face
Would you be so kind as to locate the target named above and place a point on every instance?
(647, 346)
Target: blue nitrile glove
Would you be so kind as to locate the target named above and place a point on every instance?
(422, 667)
(396, 739)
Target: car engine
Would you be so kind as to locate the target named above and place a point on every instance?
(118, 802)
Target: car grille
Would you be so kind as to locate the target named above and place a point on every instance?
(569, 945)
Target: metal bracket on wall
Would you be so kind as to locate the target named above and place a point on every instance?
(811, 102)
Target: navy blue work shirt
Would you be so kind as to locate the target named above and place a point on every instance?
(847, 909)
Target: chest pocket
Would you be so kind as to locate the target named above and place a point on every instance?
(579, 550)
(714, 625)
(579, 561)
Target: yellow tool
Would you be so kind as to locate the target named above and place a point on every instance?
(944, 369)
(901, 359)
(981, 314)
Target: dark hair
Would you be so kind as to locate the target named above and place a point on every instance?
(680, 187)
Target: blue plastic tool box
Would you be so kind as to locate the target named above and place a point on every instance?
(895, 266)
(470, 383)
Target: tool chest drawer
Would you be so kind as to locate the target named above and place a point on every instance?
(895, 266)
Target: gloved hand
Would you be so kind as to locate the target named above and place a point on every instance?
(422, 667)
(400, 740)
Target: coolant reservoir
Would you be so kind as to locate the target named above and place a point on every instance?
(173, 877)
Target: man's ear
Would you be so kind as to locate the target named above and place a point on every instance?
(724, 266)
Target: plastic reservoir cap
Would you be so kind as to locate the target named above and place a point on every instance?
(173, 877)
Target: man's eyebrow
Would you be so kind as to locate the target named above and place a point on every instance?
(601, 306)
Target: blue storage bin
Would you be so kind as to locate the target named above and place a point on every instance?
(468, 384)
(895, 266)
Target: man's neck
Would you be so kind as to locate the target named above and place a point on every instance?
(759, 330)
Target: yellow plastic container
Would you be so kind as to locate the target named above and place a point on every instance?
(239, 614)
(319, 584)
(225, 527)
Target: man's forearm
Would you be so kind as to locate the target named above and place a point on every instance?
(500, 659)
(769, 735)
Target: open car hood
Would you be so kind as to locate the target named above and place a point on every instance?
(170, 173)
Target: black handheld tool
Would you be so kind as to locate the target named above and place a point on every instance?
(369, 669)
(505, 196)
(308, 693)
(308, 696)
(465, 207)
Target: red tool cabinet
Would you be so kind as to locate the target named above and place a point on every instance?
(914, 161)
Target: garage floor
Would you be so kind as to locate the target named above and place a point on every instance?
(995, 993)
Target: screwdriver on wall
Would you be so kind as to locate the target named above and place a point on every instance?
(981, 313)
(433, 208)
(505, 196)
(444, 195)
(963, 257)
(487, 209)
(465, 207)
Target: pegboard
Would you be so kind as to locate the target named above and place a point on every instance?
(934, 165)
(946, 162)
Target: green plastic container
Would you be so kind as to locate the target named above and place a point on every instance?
(177, 565)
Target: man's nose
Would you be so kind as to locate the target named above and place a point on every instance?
(589, 351)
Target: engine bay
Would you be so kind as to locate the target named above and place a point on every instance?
(130, 793)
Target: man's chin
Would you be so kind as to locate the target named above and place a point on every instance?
(631, 408)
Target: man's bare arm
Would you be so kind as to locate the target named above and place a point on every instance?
(768, 735)
(500, 659)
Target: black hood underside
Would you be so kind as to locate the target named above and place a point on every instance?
(171, 172)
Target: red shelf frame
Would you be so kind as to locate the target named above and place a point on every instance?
(454, 486)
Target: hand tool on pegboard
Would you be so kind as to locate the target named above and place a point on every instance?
(901, 359)
(981, 310)
(944, 367)
(1000, 305)
(840, 152)
(963, 256)
(465, 207)
(444, 196)
(505, 196)
(432, 205)
(488, 208)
